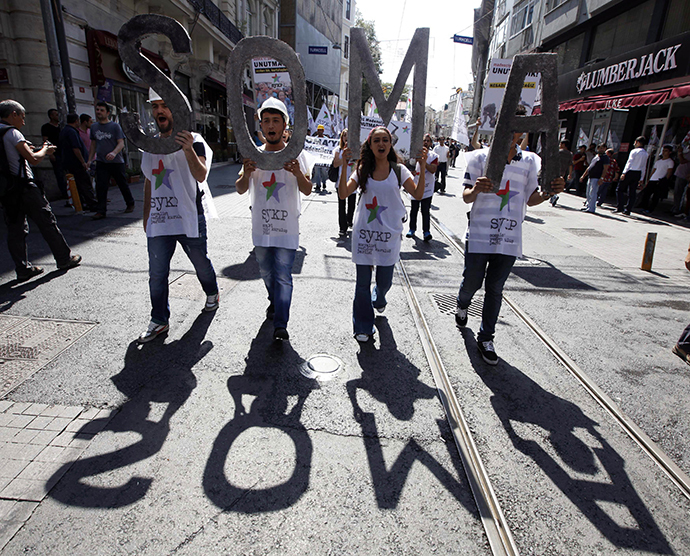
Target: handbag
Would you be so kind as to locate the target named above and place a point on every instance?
(333, 173)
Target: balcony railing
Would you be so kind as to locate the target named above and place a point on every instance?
(218, 18)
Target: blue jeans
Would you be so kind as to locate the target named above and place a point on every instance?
(592, 191)
(161, 250)
(366, 300)
(496, 268)
(320, 175)
(275, 265)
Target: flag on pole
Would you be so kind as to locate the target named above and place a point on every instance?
(408, 109)
(373, 110)
(312, 123)
(324, 119)
(459, 132)
(582, 138)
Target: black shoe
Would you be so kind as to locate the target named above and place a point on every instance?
(427, 237)
(130, 208)
(98, 216)
(29, 273)
(677, 350)
(281, 334)
(270, 312)
(488, 352)
(461, 317)
(73, 261)
(626, 212)
(618, 211)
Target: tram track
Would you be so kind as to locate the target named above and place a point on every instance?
(677, 476)
(494, 522)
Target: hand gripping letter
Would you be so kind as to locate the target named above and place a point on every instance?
(129, 45)
(546, 122)
(362, 64)
(254, 47)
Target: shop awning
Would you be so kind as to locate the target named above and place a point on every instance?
(643, 98)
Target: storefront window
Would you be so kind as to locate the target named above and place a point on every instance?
(678, 126)
(622, 33)
(677, 18)
(657, 111)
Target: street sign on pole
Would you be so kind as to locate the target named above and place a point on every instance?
(463, 40)
(318, 50)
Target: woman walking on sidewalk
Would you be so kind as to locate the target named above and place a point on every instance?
(378, 226)
(342, 158)
(430, 168)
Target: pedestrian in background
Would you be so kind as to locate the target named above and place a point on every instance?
(276, 207)
(565, 160)
(85, 122)
(430, 167)
(378, 223)
(578, 168)
(441, 151)
(682, 347)
(108, 140)
(682, 174)
(179, 176)
(342, 159)
(50, 132)
(320, 171)
(74, 157)
(610, 176)
(632, 176)
(24, 197)
(596, 169)
(659, 181)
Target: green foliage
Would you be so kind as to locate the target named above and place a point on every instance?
(388, 87)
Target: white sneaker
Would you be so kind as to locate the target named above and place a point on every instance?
(212, 302)
(152, 332)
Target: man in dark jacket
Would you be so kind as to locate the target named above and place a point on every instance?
(74, 157)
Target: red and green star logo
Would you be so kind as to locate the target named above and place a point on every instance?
(506, 195)
(272, 187)
(405, 129)
(276, 78)
(162, 175)
(375, 211)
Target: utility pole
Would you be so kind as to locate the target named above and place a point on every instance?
(54, 58)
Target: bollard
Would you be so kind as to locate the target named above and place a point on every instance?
(73, 193)
(648, 255)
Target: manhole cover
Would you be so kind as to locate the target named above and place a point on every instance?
(586, 232)
(27, 345)
(321, 367)
(446, 303)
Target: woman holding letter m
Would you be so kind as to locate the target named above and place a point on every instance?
(494, 232)
(378, 225)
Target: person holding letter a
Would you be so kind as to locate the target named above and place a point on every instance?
(276, 208)
(176, 199)
(378, 225)
(494, 233)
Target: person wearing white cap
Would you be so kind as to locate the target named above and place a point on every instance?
(176, 200)
(276, 207)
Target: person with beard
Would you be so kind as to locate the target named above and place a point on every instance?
(107, 142)
(176, 200)
(276, 208)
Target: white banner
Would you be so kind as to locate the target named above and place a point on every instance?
(271, 79)
(494, 90)
(401, 132)
(459, 132)
(320, 149)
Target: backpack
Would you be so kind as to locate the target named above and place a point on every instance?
(333, 173)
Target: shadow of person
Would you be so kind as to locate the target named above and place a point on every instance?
(517, 401)
(390, 378)
(272, 378)
(156, 373)
(249, 269)
(426, 250)
(14, 290)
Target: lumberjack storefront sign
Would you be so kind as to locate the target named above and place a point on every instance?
(647, 64)
(664, 60)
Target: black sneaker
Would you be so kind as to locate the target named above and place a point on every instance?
(488, 352)
(281, 334)
(461, 317)
(29, 273)
(270, 312)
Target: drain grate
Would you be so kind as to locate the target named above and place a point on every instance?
(446, 303)
(586, 232)
(27, 345)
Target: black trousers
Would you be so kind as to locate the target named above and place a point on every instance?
(105, 171)
(653, 193)
(345, 215)
(29, 201)
(441, 176)
(83, 181)
(59, 176)
(628, 187)
(425, 204)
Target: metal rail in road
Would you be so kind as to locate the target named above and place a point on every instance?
(495, 525)
(672, 471)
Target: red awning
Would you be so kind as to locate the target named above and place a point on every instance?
(643, 98)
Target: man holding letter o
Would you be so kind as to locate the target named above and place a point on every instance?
(276, 208)
(494, 233)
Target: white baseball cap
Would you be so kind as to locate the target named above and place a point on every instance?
(154, 96)
(275, 104)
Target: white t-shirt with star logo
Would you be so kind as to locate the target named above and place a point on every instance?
(496, 218)
(276, 206)
(174, 193)
(377, 226)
